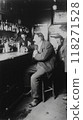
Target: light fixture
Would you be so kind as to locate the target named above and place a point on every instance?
(3, 1)
(54, 0)
(54, 7)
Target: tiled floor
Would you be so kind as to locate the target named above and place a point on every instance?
(52, 109)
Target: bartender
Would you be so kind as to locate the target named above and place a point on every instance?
(23, 40)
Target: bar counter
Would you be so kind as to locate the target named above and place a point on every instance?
(12, 70)
(12, 55)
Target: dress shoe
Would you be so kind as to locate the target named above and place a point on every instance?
(34, 103)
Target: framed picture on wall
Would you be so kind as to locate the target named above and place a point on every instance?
(58, 29)
(60, 17)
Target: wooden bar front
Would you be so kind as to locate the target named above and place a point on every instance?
(12, 70)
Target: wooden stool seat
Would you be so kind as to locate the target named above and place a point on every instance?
(47, 86)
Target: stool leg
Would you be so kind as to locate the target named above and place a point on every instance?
(53, 91)
(43, 96)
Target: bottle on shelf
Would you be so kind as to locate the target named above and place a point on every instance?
(2, 25)
(6, 46)
(6, 26)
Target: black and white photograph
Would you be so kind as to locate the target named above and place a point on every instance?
(33, 59)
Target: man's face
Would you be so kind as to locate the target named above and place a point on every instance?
(36, 39)
(23, 36)
(55, 42)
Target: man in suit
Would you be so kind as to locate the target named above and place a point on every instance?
(44, 56)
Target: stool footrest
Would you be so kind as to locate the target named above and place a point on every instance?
(49, 89)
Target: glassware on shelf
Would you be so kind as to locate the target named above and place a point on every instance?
(18, 46)
(6, 47)
(13, 27)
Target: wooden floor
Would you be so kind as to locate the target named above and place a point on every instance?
(51, 109)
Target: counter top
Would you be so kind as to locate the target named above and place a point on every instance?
(12, 55)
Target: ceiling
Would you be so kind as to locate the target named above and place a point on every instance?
(29, 9)
(41, 4)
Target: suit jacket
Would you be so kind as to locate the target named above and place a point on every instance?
(46, 56)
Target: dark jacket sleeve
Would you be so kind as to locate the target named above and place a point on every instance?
(45, 54)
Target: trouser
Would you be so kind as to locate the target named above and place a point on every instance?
(36, 73)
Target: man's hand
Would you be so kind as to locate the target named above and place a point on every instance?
(34, 53)
(29, 43)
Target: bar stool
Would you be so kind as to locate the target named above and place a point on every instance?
(48, 85)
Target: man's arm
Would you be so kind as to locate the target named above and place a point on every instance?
(47, 51)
